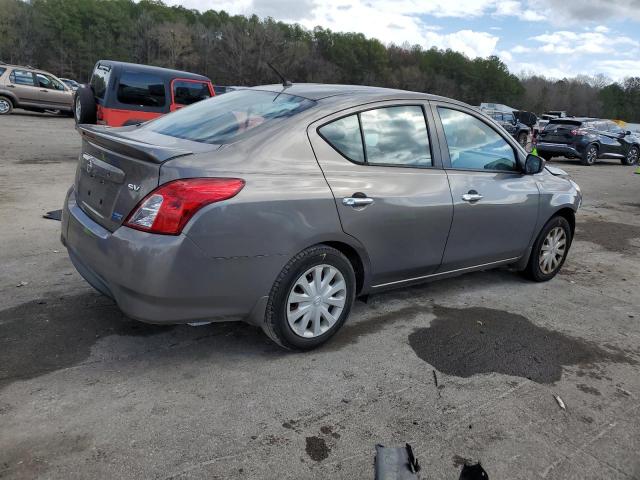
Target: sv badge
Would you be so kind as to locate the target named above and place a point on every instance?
(134, 187)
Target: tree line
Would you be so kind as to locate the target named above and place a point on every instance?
(67, 37)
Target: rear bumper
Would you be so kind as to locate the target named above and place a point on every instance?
(162, 278)
(558, 149)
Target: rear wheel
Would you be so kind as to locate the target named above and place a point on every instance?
(311, 299)
(590, 155)
(84, 106)
(632, 156)
(549, 250)
(6, 106)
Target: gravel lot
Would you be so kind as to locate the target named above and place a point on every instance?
(86, 393)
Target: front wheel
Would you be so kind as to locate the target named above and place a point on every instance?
(549, 250)
(632, 156)
(311, 299)
(6, 106)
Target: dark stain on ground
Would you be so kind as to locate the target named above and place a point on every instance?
(459, 461)
(612, 236)
(588, 389)
(328, 430)
(469, 341)
(42, 336)
(317, 448)
(351, 332)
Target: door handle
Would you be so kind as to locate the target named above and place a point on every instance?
(472, 196)
(44, 90)
(11, 86)
(357, 201)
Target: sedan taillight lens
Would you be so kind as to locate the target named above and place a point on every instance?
(168, 208)
(579, 131)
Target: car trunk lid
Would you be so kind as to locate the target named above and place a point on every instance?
(116, 169)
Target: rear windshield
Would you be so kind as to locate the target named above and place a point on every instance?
(562, 123)
(222, 119)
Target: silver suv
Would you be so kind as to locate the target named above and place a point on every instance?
(34, 90)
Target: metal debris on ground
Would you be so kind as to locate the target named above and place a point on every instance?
(560, 402)
(473, 472)
(53, 215)
(22, 284)
(396, 463)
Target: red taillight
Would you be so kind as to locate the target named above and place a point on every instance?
(169, 207)
(578, 131)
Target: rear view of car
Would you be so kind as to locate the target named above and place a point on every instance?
(125, 93)
(588, 139)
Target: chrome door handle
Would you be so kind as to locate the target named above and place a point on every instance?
(357, 201)
(471, 197)
(44, 90)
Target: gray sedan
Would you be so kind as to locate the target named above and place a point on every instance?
(280, 205)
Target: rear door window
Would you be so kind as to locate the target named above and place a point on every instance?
(2, 70)
(100, 80)
(344, 135)
(22, 77)
(474, 145)
(141, 89)
(187, 92)
(396, 136)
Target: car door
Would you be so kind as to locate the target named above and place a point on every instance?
(51, 92)
(612, 141)
(495, 206)
(390, 190)
(22, 83)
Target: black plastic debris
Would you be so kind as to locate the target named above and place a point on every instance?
(473, 472)
(396, 463)
(53, 215)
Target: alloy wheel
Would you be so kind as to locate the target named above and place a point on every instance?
(4, 106)
(632, 156)
(316, 301)
(78, 109)
(592, 155)
(553, 250)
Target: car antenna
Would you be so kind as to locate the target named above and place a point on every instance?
(285, 82)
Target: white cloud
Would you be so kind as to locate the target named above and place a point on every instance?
(601, 29)
(520, 49)
(565, 41)
(619, 68)
(505, 55)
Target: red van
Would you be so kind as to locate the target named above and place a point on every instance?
(122, 93)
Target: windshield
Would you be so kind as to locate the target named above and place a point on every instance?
(223, 119)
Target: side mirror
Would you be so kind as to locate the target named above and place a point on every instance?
(628, 132)
(533, 164)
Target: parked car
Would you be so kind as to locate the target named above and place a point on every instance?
(510, 123)
(72, 84)
(588, 139)
(122, 93)
(279, 206)
(34, 90)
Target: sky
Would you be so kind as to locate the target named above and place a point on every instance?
(554, 38)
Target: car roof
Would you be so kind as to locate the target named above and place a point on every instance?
(166, 72)
(322, 91)
(26, 67)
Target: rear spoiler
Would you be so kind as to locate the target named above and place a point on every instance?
(126, 146)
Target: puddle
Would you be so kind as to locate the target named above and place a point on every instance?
(469, 341)
(612, 236)
(42, 336)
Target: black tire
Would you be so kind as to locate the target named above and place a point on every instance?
(84, 106)
(6, 105)
(276, 325)
(522, 139)
(632, 156)
(534, 270)
(590, 155)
